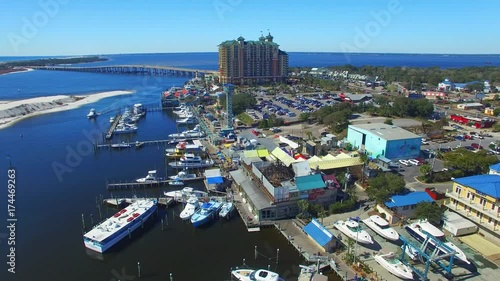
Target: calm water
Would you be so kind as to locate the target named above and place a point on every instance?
(49, 207)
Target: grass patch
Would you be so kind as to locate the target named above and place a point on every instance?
(245, 118)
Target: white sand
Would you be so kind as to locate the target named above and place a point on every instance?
(14, 111)
(22, 71)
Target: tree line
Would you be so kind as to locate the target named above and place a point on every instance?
(51, 61)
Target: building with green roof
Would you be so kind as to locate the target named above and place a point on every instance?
(247, 62)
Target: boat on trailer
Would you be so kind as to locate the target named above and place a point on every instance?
(394, 266)
(381, 227)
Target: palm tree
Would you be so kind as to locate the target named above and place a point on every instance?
(303, 206)
(322, 213)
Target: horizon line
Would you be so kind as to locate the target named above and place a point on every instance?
(311, 52)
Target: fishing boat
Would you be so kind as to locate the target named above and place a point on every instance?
(120, 145)
(226, 209)
(150, 178)
(206, 213)
(108, 233)
(394, 265)
(381, 227)
(255, 275)
(187, 121)
(191, 161)
(354, 231)
(183, 175)
(139, 144)
(180, 195)
(192, 205)
(92, 114)
(419, 231)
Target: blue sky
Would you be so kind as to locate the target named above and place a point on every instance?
(80, 27)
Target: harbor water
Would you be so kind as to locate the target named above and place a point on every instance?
(59, 178)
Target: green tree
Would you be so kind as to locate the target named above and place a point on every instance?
(468, 162)
(303, 207)
(388, 121)
(429, 211)
(304, 116)
(496, 112)
(383, 186)
(241, 102)
(425, 170)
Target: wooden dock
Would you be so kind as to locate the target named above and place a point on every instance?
(132, 144)
(112, 128)
(122, 201)
(137, 185)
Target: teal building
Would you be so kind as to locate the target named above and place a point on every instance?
(382, 140)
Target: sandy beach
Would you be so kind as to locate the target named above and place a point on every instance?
(14, 71)
(15, 111)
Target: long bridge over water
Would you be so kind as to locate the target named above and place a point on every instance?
(155, 70)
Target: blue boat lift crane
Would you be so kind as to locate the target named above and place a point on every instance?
(427, 257)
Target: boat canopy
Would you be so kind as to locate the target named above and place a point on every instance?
(152, 172)
(378, 220)
(429, 228)
(350, 223)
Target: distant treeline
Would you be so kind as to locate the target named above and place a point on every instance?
(420, 75)
(51, 61)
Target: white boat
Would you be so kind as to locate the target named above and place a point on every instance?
(120, 145)
(416, 230)
(139, 144)
(192, 205)
(92, 114)
(150, 178)
(410, 251)
(180, 195)
(394, 265)
(111, 119)
(191, 161)
(188, 120)
(255, 275)
(226, 209)
(195, 133)
(381, 227)
(184, 146)
(206, 213)
(125, 129)
(176, 183)
(354, 231)
(105, 235)
(183, 175)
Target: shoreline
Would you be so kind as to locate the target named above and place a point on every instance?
(14, 71)
(14, 111)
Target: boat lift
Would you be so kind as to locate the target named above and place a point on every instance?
(426, 258)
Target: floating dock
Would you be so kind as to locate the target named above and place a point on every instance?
(136, 185)
(132, 144)
(112, 128)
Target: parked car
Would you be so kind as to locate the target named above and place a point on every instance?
(476, 146)
(414, 162)
(404, 162)
(459, 137)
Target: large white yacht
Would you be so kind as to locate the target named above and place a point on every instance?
(191, 161)
(255, 275)
(417, 230)
(381, 227)
(354, 231)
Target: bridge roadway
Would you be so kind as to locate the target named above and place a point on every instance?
(132, 69)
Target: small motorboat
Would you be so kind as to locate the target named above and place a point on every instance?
(120, 145)
(176, 183)
(92, 114)
(139, 144)
(150, 178)
(192, 205)
(354, 231)
(255, 275)
(180, 195)
(226, 209)
(394, 265)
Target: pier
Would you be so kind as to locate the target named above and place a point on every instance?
(120, 201)
(154, 70)
(144, 143)
(136, 185)
(112, 128)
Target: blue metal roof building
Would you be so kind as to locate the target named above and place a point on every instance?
(495, 168)
(409, 199)
(487, 184)
(319, 234)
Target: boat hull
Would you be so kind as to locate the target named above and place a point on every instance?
(400, 270)
(131, 227)
(389, 233)
(365, 238)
